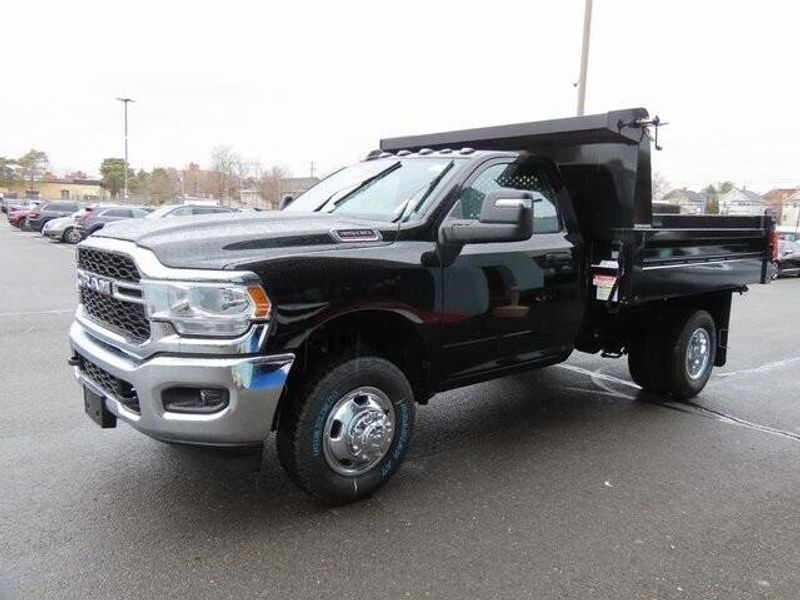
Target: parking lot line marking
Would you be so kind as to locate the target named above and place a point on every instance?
(598, 376)
(767, 367)
(689, 407)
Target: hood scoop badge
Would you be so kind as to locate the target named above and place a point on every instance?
(356, 235)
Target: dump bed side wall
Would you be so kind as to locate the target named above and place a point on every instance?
(693, 256)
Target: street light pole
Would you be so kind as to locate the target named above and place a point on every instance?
(125, 102)
(587, 27)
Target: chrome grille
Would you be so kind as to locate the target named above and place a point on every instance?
(114, 386)
(108, 264)
(126, 318)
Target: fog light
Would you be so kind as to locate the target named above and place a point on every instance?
(195, 400)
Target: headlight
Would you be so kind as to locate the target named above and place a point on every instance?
(216, 309)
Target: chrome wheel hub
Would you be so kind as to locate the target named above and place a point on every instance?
(698, 353)
(358, 431)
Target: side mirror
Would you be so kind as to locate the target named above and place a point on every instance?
(506, 216)
(285, 201)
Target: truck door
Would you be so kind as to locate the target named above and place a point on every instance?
(510, 303)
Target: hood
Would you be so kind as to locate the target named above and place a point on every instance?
(230, 239)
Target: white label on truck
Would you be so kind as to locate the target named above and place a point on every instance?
(607, 264)
(603, 285)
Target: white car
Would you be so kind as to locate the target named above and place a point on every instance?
(63, 229)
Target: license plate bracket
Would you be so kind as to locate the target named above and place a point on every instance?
(95, 406)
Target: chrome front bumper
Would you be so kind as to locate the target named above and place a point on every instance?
(254, 383)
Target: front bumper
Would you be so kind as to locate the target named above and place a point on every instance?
(53, 232)
(254, 384)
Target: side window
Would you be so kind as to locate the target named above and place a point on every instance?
(181, 212)
(526, 175)
(201, 210)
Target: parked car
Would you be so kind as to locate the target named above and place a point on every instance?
(51, 210)
(99, 217)
(788, 261)
(429, 266)
(65, 229)
(5, 201)
(184, 210)
(18, 213)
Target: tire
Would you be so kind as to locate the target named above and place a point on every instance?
(776, 270)
(357, 390)
(643, 366)
(71, 235)
(690, 331)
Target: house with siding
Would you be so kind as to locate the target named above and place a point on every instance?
(790, 210)
(690, 202)
(742, 202)
(777, 197)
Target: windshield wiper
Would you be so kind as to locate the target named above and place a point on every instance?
(431, 186)
(361, 186)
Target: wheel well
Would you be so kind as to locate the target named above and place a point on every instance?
(372, 332)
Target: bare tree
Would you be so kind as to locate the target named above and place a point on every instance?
(660, 185)
(270, 185)
(227, 164)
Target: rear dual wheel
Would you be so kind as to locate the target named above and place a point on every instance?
(676, 356)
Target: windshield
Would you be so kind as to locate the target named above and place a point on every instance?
(388, 189)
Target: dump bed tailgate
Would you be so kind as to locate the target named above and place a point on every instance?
(683, 255)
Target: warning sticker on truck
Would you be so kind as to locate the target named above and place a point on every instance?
(603, 285)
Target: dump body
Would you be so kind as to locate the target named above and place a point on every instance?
(604, 161)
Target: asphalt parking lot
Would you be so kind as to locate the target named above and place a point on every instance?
(563, 483)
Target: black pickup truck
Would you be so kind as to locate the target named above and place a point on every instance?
(439, 261)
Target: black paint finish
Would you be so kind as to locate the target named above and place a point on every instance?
(482, 310)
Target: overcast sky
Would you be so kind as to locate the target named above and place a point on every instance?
(290, 82)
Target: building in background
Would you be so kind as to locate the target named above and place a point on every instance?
(250, 198)
(790, 210)
(690, 203)
(742, 202)
(59, 189)
(777, 197)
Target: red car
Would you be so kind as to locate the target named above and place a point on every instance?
(17, 217)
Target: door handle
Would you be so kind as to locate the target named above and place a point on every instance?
(557, 256)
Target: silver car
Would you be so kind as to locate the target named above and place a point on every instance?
(63, 229)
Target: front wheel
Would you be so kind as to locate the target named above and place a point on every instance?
(72, 235)
(347, 429)
(776, 270)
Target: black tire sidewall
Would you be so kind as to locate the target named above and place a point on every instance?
(313, 470)
(681, 386)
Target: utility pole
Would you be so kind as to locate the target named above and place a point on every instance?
(312, 168)
(125, 102)
(587, 27)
